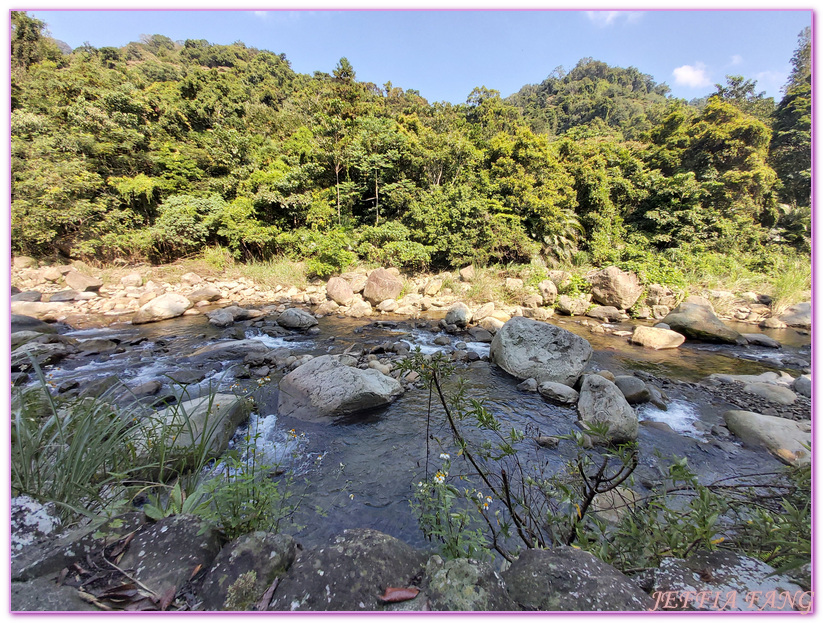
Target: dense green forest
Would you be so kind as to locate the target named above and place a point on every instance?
(155, 150)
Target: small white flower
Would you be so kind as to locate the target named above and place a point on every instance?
(479, 495)
(420, 485)
(445, 456)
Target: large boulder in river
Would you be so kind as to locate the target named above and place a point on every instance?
(612, 286)
(695, 319)
(296, 319)
(339, 290)
(326, 387)
(382, 285)
(459, 314)
(565, 578)
(786, 439)
(528, 348)
(602, 402)
(169, 305)
(799, 315)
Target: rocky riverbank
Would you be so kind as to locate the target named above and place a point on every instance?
(347, 376)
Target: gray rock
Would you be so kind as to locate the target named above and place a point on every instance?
(695, 319)
(633, 389)
(133, 280)
(21, 322)
(466, 586)
(529, 385)
(786, 439)
(208, 294)
(657, 294)
(771, 392)
(228, 349)
(200, 426)
(19, 338)
(43, 354)
(359, 309)
(467, 274)
(149, 388)
(382, 285)
(64, 296)
(611, 286)
(82, 283)
(266, 554)
(190, 279)
(164, 555)
(479, 334)
(296, 319)
(601, 402)
(186, 377)
(532, 301)
(170, 305)
(803, 385)
(799, 315)
(605, 312)
(558, 393)
(772, 323)
(29, 296)
(97, 345)
(221, 317)
(548, 290)
(528, 348)
(349, 573)
(339, 290)
(740, 582)
(560, 278)
(31, 522)
(325, 387)
(656, 338)
(567, 579)
(389, 305)
(459, 314)
(43, 594)
(573, 306)
(758, 339)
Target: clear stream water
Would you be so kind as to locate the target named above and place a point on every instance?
(362, 470)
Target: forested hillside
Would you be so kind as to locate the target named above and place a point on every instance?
(158, 149)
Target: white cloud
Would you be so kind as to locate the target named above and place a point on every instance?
(736, 59)
(607, 18)
(693, 76)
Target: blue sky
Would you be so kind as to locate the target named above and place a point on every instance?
(445, 54)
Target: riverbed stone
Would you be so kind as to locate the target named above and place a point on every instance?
(206, 423)
(558, 393)
(349, 573)
(567, 579)
(64, 296)
(785, 439)
(614, 287)
(96, 346)
(220, 317)
(771, 392)
(169, 305)
(82, 283)
(491, 324)
(695, 318)
(44, 594)
(28, 296)
(479, 334)
(382, 285)
(360, 309)
(632, 388)
(339, 290)
(325, 387)
(208, 294)
(165, 555)
(803, 385)
(467, 274)
(772, 323)
(266, 554)
(134, 280)
(660, 295)
(459, 314)
(466, 586)
(528, 348)
(548, 290)
(190, 279)
(658, 339)
(43, 354)
(573, 306)
(21, 322)
(388, 306)
(295, 318)
(607, 313)
(484, 311)
(42, 311)
(758, 339)
(799, 315)
(741, 583)
(602, 402)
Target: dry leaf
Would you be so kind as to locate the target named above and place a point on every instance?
(393, 595)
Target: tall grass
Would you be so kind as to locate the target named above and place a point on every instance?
(791, 285)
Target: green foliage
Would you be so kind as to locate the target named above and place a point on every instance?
(324, 253)
(389, 245)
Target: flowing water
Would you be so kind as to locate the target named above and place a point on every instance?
(361, 471)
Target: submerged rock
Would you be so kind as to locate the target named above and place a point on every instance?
(326, 387)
